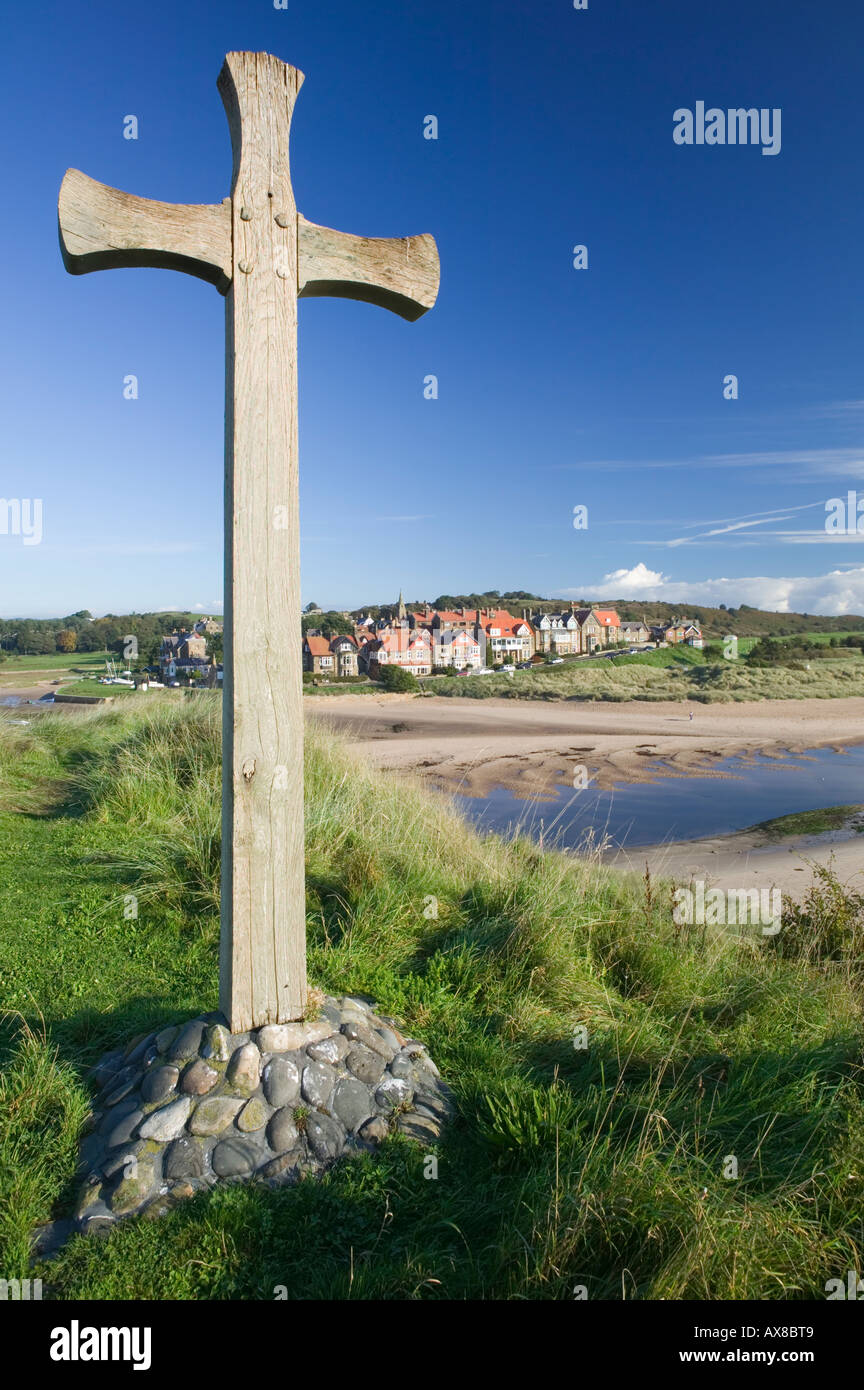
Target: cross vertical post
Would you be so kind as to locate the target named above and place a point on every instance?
(263, 947)
(262, 255)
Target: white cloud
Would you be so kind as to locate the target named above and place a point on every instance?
(833, 594)
(636, 580)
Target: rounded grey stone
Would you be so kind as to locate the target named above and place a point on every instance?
(185, 1158)
(282, 1131)
(353, 1001)
(326, 1137)
(401, 1067)
(113, 1116)
(244, 1069)
(189, 1041)
(290, 1037)
(317, 1083)
(351, 1103)
(106, 1069)
(124, 1129)
(166, 1037)
(286, 1166)
(198, 1079)
(389, 1037)
(367, 1066)
(393, 1091)
(137, 1053)
(253, 1116)
(214, 1114)
(332, 1050)
(420, 1127)
(167, 1122)
(159, 1083)
(421, 1059)
(432, 1103)
(375, 1130)
(234, 1157)
(281, 1081)
(217, 1043)
(358, 1032)
(124, 1082)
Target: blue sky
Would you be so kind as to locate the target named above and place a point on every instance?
(557, 387)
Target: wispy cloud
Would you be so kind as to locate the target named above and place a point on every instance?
(798, 464)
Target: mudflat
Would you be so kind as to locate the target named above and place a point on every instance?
(526, 746)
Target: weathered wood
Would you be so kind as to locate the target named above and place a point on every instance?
(102, 228)
(263, 974)
(397, 273)
(261, 254)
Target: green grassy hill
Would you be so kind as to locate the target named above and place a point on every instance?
(600, 1165)
(679, 673)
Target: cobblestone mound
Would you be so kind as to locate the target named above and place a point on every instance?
(194, 1105)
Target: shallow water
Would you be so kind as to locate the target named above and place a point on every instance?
(681, 808)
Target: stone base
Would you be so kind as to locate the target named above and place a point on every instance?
(194, 1105)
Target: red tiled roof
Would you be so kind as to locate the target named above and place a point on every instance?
(318, 646)
(608, 617)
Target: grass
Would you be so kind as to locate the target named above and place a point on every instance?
(676, 674)
(92, 687)
(566, 1164)
(816, 822)
(56, 661)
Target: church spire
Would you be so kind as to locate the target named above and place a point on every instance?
(402, 611)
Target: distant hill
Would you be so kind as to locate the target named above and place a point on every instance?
(743, 621)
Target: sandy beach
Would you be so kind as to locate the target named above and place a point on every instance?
(472, 746)
(475, 745)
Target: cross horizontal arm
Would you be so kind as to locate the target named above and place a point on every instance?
(100, 228)
(397, 273)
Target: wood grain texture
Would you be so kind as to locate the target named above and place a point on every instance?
(259, 253)
(263, 959)
(398, 273)
(102, 228)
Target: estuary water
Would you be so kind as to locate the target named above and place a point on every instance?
(750, 789)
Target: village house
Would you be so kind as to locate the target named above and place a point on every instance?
(317, 656)
(680, 632)
(610, 623)
(344, 649)
(592, 633)
(507, 638)
(458, 648)
(183, 646)
(635, 632)
(558, 634)
(398, 646)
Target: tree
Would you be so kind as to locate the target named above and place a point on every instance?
(397, 678)
(90, 640)
(312, 608)
(67, 640)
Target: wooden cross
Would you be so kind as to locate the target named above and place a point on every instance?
(262, 255)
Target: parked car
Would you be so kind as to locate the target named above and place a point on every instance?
(555, 661)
